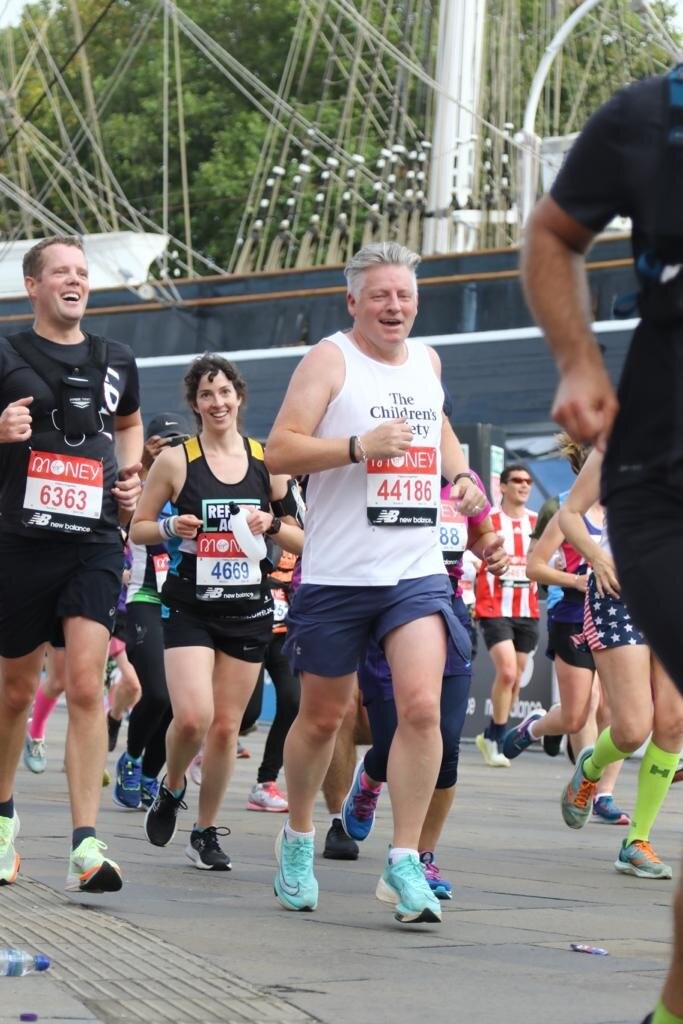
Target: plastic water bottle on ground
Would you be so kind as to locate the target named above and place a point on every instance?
(14, 963)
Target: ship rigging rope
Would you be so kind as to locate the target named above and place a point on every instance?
(76, 50)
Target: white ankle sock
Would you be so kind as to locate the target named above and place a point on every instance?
(397, 853)
(289, 831)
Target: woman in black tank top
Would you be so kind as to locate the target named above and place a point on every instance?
(220, 608)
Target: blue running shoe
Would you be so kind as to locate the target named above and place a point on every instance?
(516, 740)
(127, 786)
(577, 798)
(404, 886)
(358, 808)
(295, 884)
(441, 887)
(606, 811)
(149, 787)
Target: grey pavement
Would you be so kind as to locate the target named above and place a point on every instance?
(180, 945)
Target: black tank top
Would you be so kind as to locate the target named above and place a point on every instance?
(202, 494)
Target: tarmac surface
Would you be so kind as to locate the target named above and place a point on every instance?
(181, 945)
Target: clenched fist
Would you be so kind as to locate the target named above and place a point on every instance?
(15, 421)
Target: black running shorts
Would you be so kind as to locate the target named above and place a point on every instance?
(246, 640)
(44, 582)
(522, 631)
(561, 645)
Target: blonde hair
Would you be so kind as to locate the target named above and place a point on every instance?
(575, 452)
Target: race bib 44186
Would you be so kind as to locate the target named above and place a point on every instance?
(404, 490)
(63, 492)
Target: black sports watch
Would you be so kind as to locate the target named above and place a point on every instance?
(274, 527)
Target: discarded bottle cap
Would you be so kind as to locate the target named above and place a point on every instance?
(254, 546)
(579, 947)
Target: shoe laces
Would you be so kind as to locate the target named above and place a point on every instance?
(36, 747)
(364, 803)
(409, 868)
(166, 795)
(645, 851)
(298, 854)
(584, 794)
(89, 845)
(209, 836)
(431, 871)
(271, 788)
(6, 831)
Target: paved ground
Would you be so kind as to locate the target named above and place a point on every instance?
(179, 945)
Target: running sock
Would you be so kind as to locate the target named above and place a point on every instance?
(398, 853)
(664, 1016)
(605, 752)
(530, 730)
(291, 834)
(42, 709)
(79, 834)
(7, 808)
(367, 784)
(198, 828)
(654, 778)
(495, 731)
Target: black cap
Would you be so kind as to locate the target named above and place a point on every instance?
(166, 424)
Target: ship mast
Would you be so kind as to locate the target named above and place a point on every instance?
(454, 140)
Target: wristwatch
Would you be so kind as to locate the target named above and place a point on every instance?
(274, 527)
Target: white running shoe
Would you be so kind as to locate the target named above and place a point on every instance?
(490, 752)
(196, 769)
(34, 755)
(265, 796)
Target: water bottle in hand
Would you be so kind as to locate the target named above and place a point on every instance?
(14, 963)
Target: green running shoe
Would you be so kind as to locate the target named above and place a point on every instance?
(295, 884)
(9, 858)
(90, 871)
(403, 885)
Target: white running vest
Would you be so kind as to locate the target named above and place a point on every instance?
(341, 547)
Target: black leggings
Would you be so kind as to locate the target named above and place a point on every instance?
(646, 534)
(287, 692)
(455, 692)
(152, 714)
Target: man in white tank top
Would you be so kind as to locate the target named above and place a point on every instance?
(363, 418)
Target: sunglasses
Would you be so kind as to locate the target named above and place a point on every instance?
(519, 480)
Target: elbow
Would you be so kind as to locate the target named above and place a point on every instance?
(275, 456)
(532, 573)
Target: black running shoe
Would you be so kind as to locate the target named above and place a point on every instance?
(204, 849)
(339, 846)
(160, 820)
(551, 745)
(112, 732)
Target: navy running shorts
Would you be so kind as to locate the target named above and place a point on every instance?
(329, 627)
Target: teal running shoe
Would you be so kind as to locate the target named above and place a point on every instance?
(639, 859)
(403, 885)
(577, 798)
(516, 740)
(295, 884)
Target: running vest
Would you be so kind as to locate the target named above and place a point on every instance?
(512, 595)
(375, 523)
(212, 572)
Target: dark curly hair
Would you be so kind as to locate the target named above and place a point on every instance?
(209, 365)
